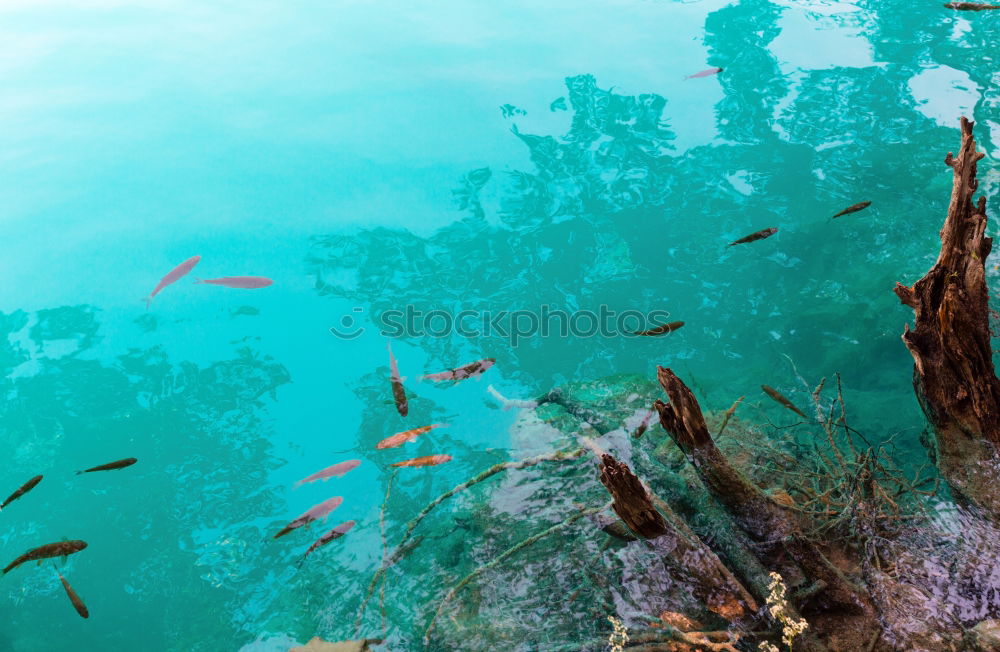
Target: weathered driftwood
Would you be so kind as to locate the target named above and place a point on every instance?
(631, 500)
(685, 554)
(953, 372)
(764, 520)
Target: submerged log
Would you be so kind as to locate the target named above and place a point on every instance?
(764, 520)
(683, 552)
(632, 502)
(953, 373)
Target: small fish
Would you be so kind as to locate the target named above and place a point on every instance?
(729, 414)
(175, 274)
(643, 424)
(619, 530)
(969, 6)
(398, 393)
(74, 598)
(854, 209)
(780, 398)
(60, 549)
(240, 282)
(335, 533)
(401, 438)
(558, 104)
(314, 513)
(705, 73)
(334, 471)
(753, 237)
(427, 460)
(660, 330)
(25, 488)
(111, 466)
(470, 370)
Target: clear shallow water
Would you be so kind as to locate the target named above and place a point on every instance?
(360, 156)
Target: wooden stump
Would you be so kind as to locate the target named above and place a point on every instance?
(953, 372)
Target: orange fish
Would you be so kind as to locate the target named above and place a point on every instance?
(427, 460)
(401, 438)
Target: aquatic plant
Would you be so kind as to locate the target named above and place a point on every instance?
(777, 606)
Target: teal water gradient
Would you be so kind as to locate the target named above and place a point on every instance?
(357, 154)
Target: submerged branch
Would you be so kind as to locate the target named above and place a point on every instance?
(402, 549)
(493, 563)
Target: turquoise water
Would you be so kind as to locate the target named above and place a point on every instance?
(368, 157)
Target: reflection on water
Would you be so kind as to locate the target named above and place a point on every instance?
(618, 187)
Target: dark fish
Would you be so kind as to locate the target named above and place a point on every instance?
(854, 209)
(398, 393)
(111, 466)
(74, 598)
(643, 424)
(660, 330)
(619, 530)
(753, 237)
(335, 533)
(60, 549)
(25, 488)
(465, 371)
(705, 73)
(969, 6)
(780, 398)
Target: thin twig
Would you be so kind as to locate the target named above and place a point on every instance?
(400, 549)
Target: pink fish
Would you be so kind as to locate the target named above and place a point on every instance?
(335, 533)
(470, 370)
(705, 73)
(398, 393)
(315, 512)
(334, 471)
(240, 282)
(173, 276)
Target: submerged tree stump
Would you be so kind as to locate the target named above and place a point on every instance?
(763, 519)
(953, 373)
(683, 552)
(632, 502)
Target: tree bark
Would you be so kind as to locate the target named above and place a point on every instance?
(953, 373)
(763, 519)
(683, 552)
